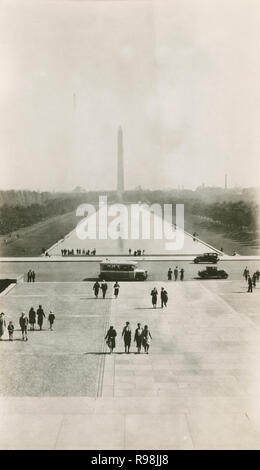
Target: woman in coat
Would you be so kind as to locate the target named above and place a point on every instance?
(146, 338)
(154, 295)
(111, 338)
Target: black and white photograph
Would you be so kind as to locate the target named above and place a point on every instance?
(129, 226)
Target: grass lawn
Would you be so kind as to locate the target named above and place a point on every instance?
(41, 235)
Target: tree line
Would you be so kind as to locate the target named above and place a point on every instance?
(240, 214)
(13, 218)
(233, 214)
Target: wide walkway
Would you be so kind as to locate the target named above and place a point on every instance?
(197, 389)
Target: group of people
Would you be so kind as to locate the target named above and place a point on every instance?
(142, 338)
(251, 280)
(136, 252)
(25, 321)
(103, 286)
(78, 251)
(163, 296)
(176, 272)
(31, 276)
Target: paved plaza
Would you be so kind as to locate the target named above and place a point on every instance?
(73, 270)
(198, 388)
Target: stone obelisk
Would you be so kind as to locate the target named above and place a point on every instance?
(120, 164)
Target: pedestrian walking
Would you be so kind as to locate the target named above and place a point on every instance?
(33, 276)
(40, 316)
(250, 284)
(246, 273)
(127, 336)
(138, 337)
(116, 289)
(181, 274)
(176, 273)
(146, 339)
(2, 324)
(51, 319)
(29, 276)
(169, 274)
(104, 288)
(165, 298)
(254, 280)
(96, 288)
(23, 321)
(111, 338)
(32, 318)
(11, 330)
(154, 294)
(162, 297)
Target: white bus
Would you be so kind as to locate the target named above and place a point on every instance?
(121, 271)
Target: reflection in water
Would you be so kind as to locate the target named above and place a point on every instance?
(217, 237)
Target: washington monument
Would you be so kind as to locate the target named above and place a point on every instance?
(120, 163)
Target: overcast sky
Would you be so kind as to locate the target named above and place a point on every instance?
(181, 77)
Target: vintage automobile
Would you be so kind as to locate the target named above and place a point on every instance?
(213, 273)
(207, 258)
(121, 271)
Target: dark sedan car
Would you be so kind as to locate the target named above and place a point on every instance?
(213, 273)
(207, 258)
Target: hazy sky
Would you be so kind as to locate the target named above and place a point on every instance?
(181, 77)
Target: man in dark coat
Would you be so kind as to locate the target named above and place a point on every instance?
(162, 297)
(165, 298)
(96, 289)
(250, 284)
(182, 274)
(40, 316)
(111, 338)
(104, 288)
(32, 318)
(246, 273)
(127, 335)
(169, 274)
(138, 337)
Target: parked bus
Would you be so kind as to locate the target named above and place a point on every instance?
(121, 271)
